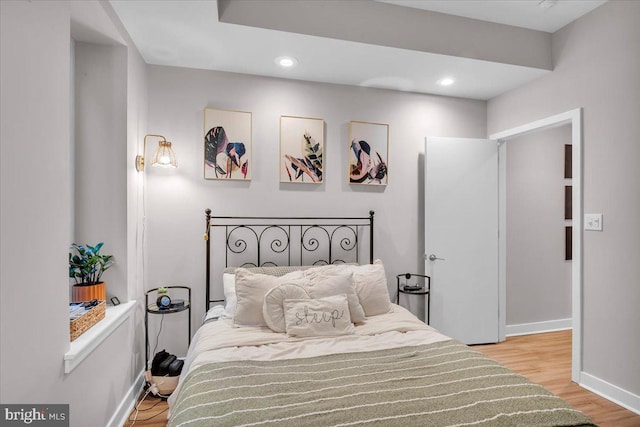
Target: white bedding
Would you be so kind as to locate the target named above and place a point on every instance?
(220, 341)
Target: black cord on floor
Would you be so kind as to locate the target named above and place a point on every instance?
(137, 407)
(153, 416)
(138, 410)
(160, 400)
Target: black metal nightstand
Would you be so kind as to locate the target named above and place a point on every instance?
(154, 309)
(420, 285)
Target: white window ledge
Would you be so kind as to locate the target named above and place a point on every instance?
(91, 339)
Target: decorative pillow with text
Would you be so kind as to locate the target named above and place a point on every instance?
(321, 317)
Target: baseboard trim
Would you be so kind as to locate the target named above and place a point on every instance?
(538, 327)
(611, 392)
(121, 415)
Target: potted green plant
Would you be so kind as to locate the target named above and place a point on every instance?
(86, 265)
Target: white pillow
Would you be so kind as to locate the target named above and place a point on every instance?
(323, 285)
(328, 316)
(370, 281)
(250, 291)
(273, 306)
(230, 298)
(229, 283)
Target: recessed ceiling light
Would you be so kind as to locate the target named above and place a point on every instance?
(446, 81)
(286, 61)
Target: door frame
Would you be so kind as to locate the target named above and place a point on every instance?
(574, 118)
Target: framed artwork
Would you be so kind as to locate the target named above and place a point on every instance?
(568, 173)
(368, 153)
(568, 243)
(227, 144)
(301, 149)
(568, 202)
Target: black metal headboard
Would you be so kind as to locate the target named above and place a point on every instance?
(252, 241)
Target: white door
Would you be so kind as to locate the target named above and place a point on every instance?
(461, 237)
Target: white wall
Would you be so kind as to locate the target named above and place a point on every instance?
(176, 199)
(136, 129)
(36, 222)
(538, 277)
(597, 67)
(35, 213)
(100, 151)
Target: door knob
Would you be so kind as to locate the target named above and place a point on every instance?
(433, 257)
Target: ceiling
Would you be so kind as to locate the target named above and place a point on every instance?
(519, 13)
(189, 34)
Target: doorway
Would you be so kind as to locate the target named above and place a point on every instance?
(538, 223)
(574, 119)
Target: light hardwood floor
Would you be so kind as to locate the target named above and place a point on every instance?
(543, 358)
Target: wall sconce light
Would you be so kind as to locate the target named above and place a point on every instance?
(163, 156)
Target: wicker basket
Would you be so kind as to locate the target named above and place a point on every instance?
(80, 325)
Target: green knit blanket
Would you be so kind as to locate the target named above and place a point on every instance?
(441, 384)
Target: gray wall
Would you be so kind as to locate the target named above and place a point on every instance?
(100, 190)
(176, 199)
(36, 222)
(597, 67)
(538, 277)
(35, 153)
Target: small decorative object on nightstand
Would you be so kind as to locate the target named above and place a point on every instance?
(164, 304)
(416, 284)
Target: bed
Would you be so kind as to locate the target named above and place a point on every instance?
(321, 344)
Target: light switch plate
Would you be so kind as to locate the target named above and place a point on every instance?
(593, 222)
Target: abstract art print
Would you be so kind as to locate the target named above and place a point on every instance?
(227, 144)
(301, 149)
(368, 153)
